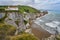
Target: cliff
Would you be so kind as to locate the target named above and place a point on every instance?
(15, 15)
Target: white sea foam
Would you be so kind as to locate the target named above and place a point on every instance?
(56, 22)
(41, 20)
(51, 24)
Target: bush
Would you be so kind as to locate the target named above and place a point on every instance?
(58, 37)
(7, 33)
(23, 37)
(6, 30)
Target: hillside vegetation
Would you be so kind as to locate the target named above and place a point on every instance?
(7, 32)
(23, 9)
(28, 9)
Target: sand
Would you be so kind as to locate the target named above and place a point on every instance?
(39, 32)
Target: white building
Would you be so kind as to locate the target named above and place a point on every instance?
(12, 8)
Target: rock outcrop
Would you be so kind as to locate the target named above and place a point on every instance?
(14, 17)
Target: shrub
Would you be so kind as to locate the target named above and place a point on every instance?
(25, 22)
(58, 37)
(7, 33)
(6, 30)
(23, 37)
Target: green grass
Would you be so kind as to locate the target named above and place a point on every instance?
(6, 30)
(3, 7)
(7, 33)
(28, 8)
(23, 37)
(23, 9)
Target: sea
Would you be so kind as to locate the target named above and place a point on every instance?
(50, 22)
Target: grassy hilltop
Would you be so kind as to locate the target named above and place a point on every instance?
(23, 9)
(28, 8)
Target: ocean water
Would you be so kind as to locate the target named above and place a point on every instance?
(54, 11)
(50, 22)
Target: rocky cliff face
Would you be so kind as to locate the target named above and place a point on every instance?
(13, 17)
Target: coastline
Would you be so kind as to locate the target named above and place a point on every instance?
(39, 32)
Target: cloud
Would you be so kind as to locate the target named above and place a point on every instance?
(39, 4)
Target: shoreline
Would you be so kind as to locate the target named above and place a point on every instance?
(39, 32)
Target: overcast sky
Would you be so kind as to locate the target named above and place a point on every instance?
(39, 4)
